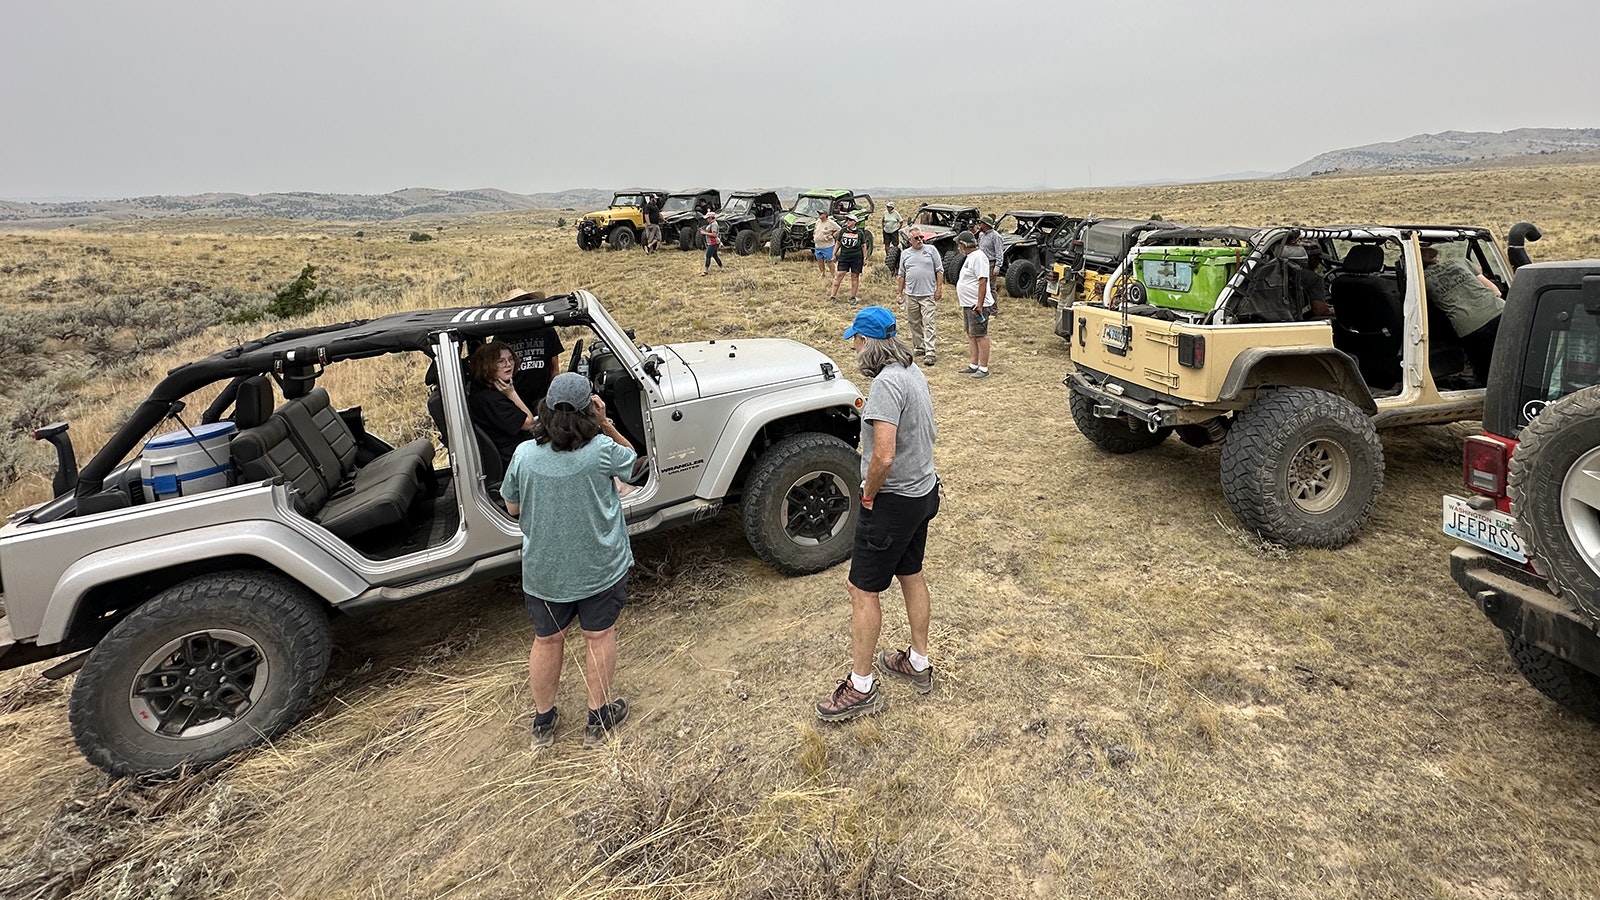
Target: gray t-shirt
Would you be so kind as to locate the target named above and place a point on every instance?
(921, 270)
(1456, 290)
(899, 396)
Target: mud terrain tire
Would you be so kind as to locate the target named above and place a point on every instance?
(259, 629)
(776, 248)
(747, 242)
(620, 238)
(1022, 277)
(952, 266)
(1112, 435)
(801, 503)
(1302, 467)
(1555, 495)
(1561, 681)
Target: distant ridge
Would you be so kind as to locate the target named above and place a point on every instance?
(1449, 148)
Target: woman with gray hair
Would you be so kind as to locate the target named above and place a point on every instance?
(899, 496)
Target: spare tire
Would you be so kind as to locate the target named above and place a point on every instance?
(1555, 495)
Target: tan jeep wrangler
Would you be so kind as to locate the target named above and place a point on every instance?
(1227, 334)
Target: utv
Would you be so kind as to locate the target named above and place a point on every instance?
(622, 225)
(748, 218)
(1206, 333)
(1024, 232)
(683, 215)
(939, 223)
(793, 231)
(193, 574)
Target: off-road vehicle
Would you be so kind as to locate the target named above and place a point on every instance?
(194, 577)
(794, 226)
(748, 218)
(1084, 253)
(1210, 338)
(683, 215)
(1532, 514)
(622, 225)
(1023, 232)
(939, 224)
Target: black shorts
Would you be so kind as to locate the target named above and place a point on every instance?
(851, 265)
(596, 613)
(891, 538)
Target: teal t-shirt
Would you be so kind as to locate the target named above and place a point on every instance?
(574, 539)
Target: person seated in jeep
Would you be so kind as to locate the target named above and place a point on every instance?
(494, 403)
(1470, 301)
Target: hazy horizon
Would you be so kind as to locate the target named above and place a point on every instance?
(188, 98)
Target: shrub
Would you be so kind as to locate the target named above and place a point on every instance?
(417, 236)
(561, 221)
(299, 296)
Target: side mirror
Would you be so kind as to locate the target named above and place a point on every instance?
(652, 366)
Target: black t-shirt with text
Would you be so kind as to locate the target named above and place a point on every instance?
(536, 352)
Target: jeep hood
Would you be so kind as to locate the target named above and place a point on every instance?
(727, 365)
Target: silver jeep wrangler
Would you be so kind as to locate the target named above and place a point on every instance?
(190, 577)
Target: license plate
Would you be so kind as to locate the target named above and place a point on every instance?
(1053, 288)
(1115, 336)
(1490, 529)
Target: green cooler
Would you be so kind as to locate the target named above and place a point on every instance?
(1187, 278)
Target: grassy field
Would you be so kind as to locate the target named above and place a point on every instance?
(1135, 698)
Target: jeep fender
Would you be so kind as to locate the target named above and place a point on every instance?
(271, 542)
(749, 417)
(1323, 368)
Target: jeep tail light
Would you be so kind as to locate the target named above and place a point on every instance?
(1483, 466)
(1192, 350)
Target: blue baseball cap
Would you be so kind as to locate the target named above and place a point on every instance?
(873, 322)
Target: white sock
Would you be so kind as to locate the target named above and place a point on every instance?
(862, 683)
(983, 368)
(918, 661)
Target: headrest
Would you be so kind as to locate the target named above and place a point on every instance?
(1364, 259)
(253, 405)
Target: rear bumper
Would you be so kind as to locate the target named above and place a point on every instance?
(1516, 602)
(1109, 405)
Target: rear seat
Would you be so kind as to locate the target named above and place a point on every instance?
(306, 443)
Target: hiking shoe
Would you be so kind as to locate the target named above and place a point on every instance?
(897, 665)
(980, 373)
(856, 300)
(970, 369)
(544, 735)
(832, 299)
(610, 716)
(928, 360)
(846, 703)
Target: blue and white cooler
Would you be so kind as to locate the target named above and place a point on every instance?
(187, 462)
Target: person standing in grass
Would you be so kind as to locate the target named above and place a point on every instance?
(899, 497)
(575, 553)
(848, 256)
(708, 230)
(921, 282)
(891, 227)
(972, 290)
(993, 247)
(822, 235)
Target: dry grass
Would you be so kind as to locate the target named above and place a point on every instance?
(1135, 699)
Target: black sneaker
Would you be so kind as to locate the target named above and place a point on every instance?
(602, 722)
(544, 735)
(897, 664)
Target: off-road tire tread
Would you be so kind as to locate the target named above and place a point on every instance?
(1535, 492)
(1575, 689)
(1021, 278)
(952, 260)
(775, 246)
(747, 242)
(1258, 440)
(307, 643)
(615, 241)
(1111, 435)
(686, 237)
(775, 549)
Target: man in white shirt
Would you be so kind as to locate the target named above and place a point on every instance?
(972, 289)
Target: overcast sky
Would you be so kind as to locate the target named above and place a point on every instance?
(106, 98)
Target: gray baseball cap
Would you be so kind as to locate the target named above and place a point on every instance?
(569, 388)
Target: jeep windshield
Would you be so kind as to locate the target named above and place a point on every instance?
(737, 206)
(810, 206)
(678, 204)
(628, 200)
